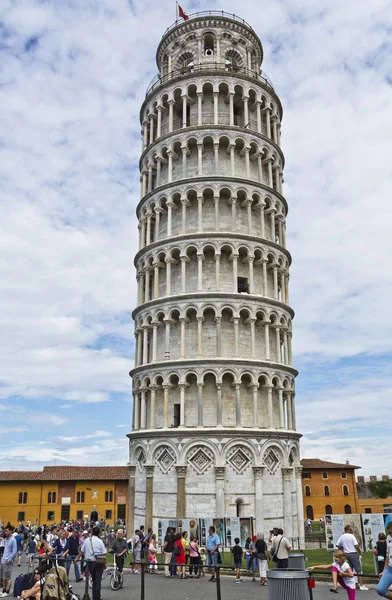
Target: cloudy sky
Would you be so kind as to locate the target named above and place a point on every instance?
(72, 77)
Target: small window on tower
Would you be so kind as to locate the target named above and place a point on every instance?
(176, 422)
(242, 285)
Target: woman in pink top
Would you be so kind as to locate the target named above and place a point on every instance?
(194, 557)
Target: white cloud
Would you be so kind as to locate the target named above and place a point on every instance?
(69, 186)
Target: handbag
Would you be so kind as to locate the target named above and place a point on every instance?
(177, 551)
(99, 558)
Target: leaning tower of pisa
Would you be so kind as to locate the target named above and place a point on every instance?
(214, 429)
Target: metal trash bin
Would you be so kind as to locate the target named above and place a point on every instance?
(297, 560)
(288, 585)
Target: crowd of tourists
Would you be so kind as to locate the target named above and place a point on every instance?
(85, 546)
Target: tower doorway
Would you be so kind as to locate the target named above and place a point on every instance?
(94, 516)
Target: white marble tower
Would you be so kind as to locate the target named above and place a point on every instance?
(214, 430)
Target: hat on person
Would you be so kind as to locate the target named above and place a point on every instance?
(84, 532)
(254, 537)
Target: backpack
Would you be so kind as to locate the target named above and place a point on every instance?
(56, 584)
(28, 581)
(177, 550)
(18, 586)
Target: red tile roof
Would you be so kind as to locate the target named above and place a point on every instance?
(84, 473)
(66, 473)
(317, 463)
(20, 475)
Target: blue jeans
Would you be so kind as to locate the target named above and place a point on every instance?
(212, 561)
(76, 565)
(385, 582)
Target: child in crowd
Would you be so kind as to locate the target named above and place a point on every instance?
(237, 553)
(31, 548)
(342, 573)
(203, 559)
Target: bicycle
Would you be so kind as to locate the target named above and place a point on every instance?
(116, 578)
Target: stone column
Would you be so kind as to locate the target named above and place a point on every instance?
(220, 491)
(171, 104)
(290, 335)
(281, 408)
(200, 160)
(184, 204)
(182, 387)
(231, 108)
(142, 232)
(275, 274)
(154, 341)
(183, 260)
(200, 337)
(184, 154)
(181, 504)
(278, 352)
(218, 321)
(247, 162)
(147, 285)
(199, 108)
(159, 121)
(200, 272)
(219, 405)
(184, 110)
(158, 211)
(143, 409)
(200, 404)
(167, 338)
(182, 350)
(131, 497)
(136, 399)
(259, 499)
(216, 206)
(293, 412)
(200, 213)
(265, 277)
(285, 347)
(235, 272)
(169, 218)
(215, 95)
(287, 504)
(269, 166)
(237, 405)
(289, 411)
(269, 406)
(153, 389)
(166, 406)
(246, 112)
(232, 164)
(139, 349)
(168, 276)
(268, 122)
(236, 337)
(233, 212)
(159, 168)
(149, 494)
(216, 158)
(251, 278)
(260, 167)
(300, 508)
(252, 338)
(169, 166)
(156, 280)
(255, 388)
(145, 134)
(267, 341)
(217, 271)
(258, 116)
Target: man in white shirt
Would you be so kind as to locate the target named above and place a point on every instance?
(93, 549)
(386, 576)
(349, 544)
(280, 548)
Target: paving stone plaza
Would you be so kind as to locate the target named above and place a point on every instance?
(214, 427)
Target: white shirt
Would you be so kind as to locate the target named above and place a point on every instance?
(93, 547)
(283, 546)
(348, 541)
(389, 549)
(349, 581)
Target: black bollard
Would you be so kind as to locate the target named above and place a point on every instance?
(142, 593)
(218, 584)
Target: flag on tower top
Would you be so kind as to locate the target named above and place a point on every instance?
(181, 13)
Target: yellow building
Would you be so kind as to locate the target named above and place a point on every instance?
(328, 488)
(375, 495)
(61, 493)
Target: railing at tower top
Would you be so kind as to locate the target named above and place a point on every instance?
(158, 80)
(210, 13)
